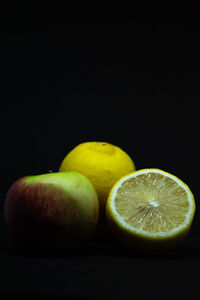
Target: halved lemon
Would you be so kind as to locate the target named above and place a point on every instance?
(150, 210)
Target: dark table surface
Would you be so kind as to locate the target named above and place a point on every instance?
(104, 270)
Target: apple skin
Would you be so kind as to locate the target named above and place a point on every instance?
(51, 211)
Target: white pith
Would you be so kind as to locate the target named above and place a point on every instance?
(153, 203)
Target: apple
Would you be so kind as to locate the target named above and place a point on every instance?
(51, 211)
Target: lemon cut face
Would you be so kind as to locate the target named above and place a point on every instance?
(151, 204)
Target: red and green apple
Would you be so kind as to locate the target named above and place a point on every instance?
(52, 211)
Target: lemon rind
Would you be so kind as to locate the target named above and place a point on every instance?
(120, 221)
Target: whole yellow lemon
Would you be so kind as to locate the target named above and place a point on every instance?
(102, 163)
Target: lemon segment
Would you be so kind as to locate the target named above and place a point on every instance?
(150, 206)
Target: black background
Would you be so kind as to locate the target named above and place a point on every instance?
(125, 76)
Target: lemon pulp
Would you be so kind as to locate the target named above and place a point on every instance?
(150, 210)
(152, 202)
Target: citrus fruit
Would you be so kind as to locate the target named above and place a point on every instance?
(102, 163)
(150, 210)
